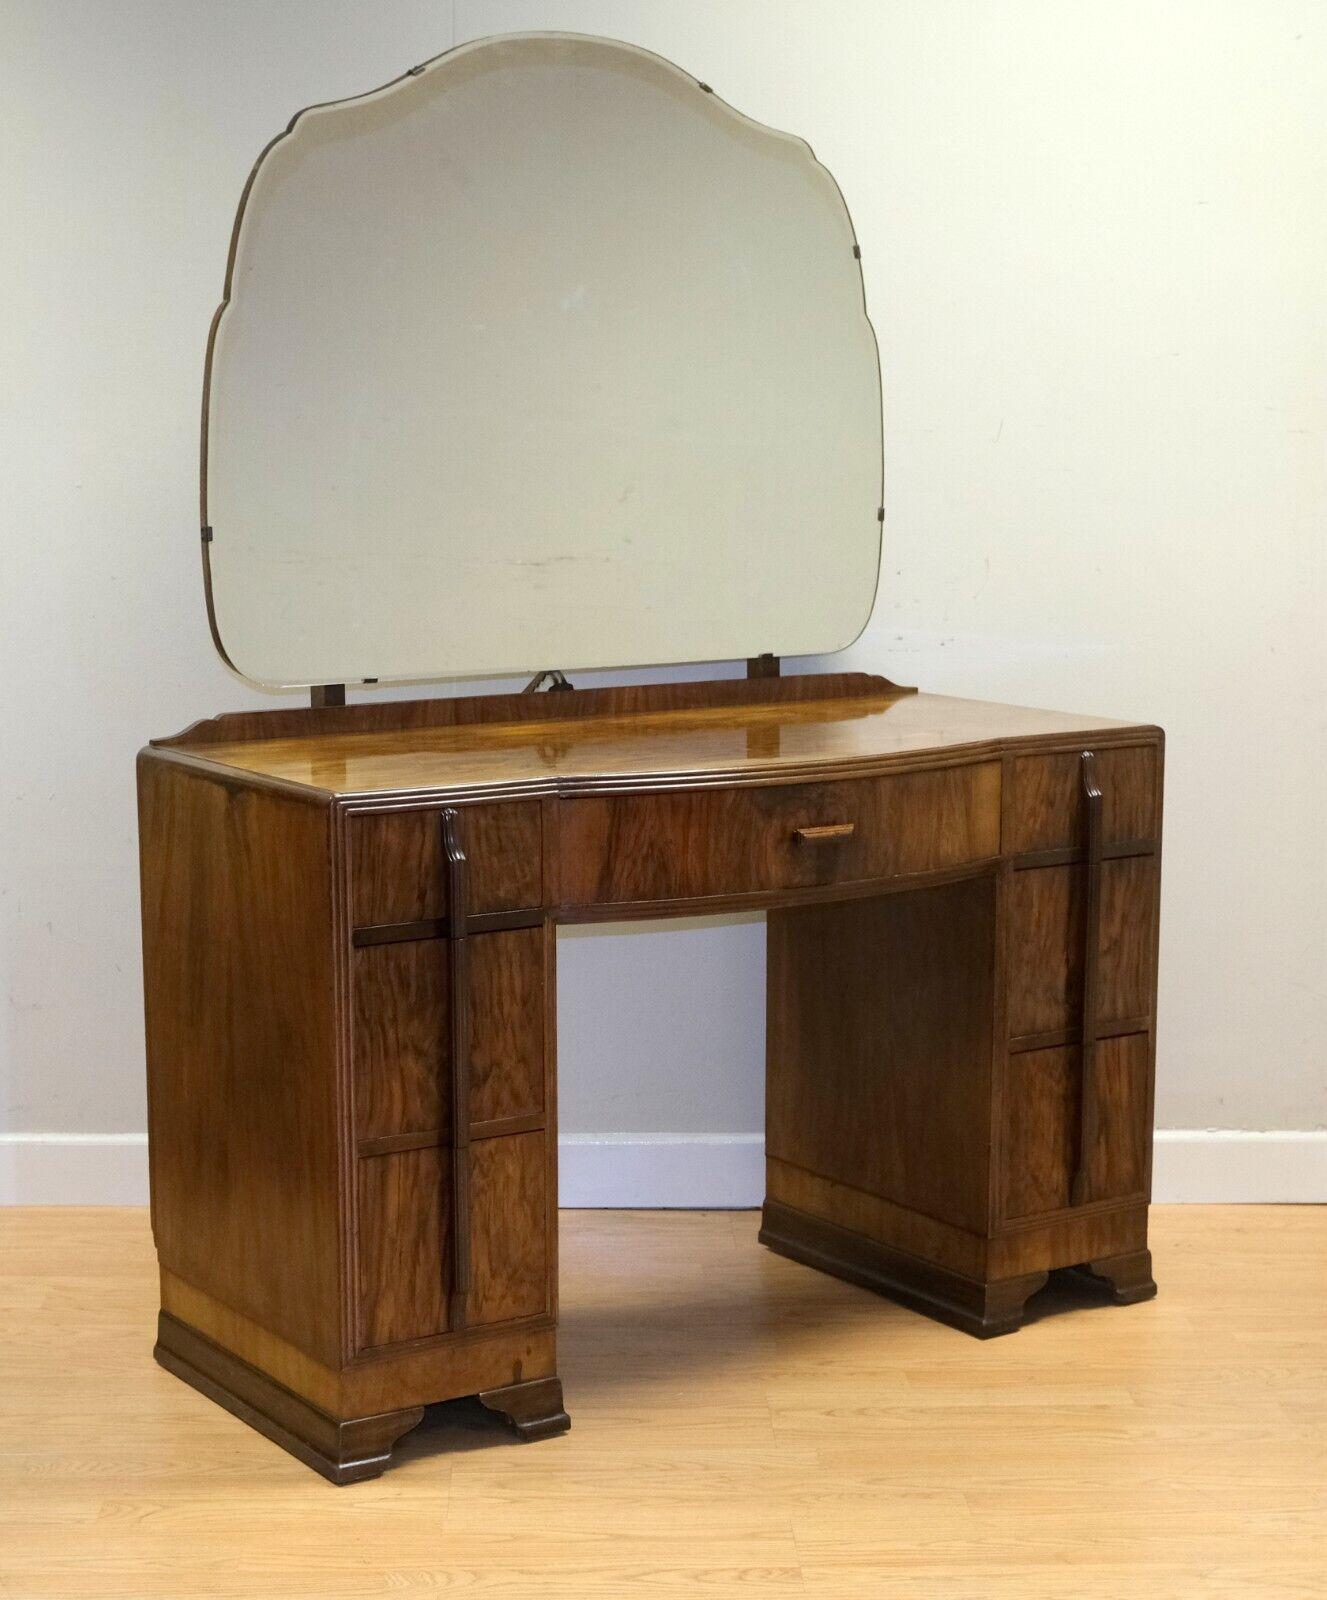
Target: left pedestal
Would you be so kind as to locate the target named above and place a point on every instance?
(354, 1215)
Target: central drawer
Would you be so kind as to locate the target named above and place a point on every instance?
(708, 843)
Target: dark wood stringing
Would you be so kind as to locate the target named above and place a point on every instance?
(439, 927)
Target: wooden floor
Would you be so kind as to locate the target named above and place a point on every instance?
(741, 1426)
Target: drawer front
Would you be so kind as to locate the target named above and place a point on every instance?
(402, 1033)
(398, 868)
(405, 1241)
(1043, 801)
(712, 842)
(1046, 941)
(1041, 1122)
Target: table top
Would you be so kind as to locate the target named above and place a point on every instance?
(616, 749)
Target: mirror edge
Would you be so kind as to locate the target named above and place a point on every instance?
(226, 296)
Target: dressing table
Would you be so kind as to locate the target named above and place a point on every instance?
(602, 393)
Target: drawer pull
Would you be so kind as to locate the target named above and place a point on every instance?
(825, 832)
(1087, 1101)
(458, 957)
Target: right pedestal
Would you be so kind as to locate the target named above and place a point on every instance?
(960, 1074)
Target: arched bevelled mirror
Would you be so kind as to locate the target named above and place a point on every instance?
(541, 356)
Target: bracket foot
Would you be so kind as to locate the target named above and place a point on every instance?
(534, 1410)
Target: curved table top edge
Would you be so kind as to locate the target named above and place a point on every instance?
(788, 741)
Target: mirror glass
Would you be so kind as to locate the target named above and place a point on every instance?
(540, 357)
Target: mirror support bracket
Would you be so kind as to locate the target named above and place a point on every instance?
(763, 666)
(327, 694)
(556, 680)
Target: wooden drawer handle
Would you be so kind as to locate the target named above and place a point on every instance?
(825, 832)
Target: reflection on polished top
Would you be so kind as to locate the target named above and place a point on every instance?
(647, 748)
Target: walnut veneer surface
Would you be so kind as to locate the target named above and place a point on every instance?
(349, 924)
(877, 730)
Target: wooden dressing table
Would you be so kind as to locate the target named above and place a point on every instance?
(349, 920)
(544, 354)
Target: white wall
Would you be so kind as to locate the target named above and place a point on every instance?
(1095, 245)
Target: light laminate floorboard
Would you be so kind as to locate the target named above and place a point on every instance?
(742, 1426)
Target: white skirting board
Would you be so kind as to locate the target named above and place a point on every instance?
(73, 1169)
(681, 1171)
(717, 1171)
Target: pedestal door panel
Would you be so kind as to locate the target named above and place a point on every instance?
(1042, 1111)
(452, 1225)
(406, 1239)
(1048, 940)
(879, 1045)
(403, 1035)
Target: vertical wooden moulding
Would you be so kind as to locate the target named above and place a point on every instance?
(551, 849)
(458, 955)
(1087, 1103)
(352, 1310)
(550, 1105)
(1000, 1016)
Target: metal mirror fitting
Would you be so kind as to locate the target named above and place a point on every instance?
(540, 356)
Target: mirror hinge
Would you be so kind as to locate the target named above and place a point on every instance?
(556, 680)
